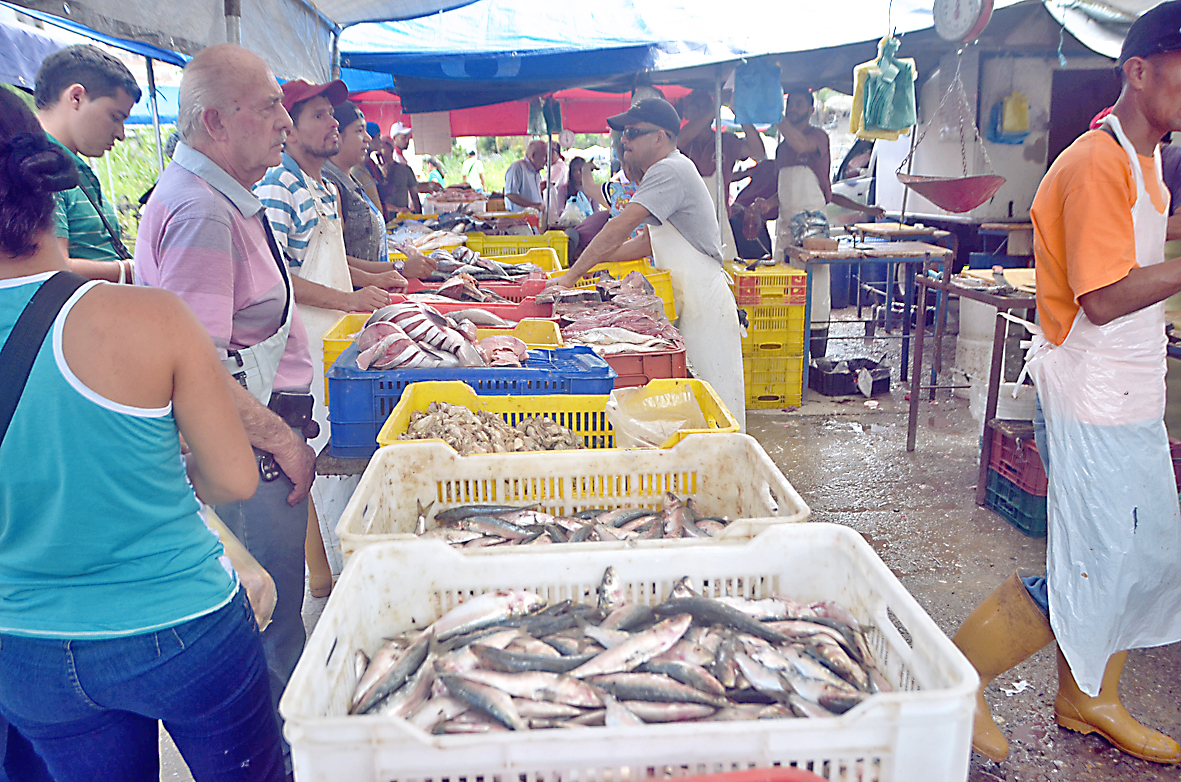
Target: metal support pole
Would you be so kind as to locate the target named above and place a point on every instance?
(720, 175)
(334, 68)
(549, 174)
(233, 14)
(155, 114)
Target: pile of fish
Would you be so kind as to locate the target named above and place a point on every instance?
(485, 432)
(612, 330)
(464, 260)
(503, 350)
(479, 526)
(411, 334)
(506, 661)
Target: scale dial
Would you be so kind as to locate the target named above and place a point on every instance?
(961, 20)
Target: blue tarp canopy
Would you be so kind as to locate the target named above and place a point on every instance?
(167, 101)
(147, 50)
(496, 50)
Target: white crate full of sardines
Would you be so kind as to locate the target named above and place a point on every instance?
(796, 647)
(707, 486)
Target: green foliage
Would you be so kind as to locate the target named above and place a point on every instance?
(500, 152)
(24, 96)
(128, 170)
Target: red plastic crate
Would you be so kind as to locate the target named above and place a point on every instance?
(1014, 456)
(636, 369)
(529, 308)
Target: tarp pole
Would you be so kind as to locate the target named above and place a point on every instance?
(549, 174)
(155, 114)
(720, 178)
(233, 12)
(334, 66)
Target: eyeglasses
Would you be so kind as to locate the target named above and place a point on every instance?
(632, 132)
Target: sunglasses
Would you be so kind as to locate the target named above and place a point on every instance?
(632, 132)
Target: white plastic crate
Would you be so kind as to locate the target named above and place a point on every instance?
(921, 733)
(729, 475)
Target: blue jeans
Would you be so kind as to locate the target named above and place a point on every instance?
(90, 708)
(1036, 586)
(274, 533)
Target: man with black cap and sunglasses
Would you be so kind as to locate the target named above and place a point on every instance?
(1113, 558)
(683, 238)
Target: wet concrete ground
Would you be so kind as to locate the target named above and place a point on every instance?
(917, 510)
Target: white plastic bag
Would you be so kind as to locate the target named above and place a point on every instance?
(259, 586)
(646, 419)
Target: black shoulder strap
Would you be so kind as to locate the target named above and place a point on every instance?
(24, 342)
(116, 243)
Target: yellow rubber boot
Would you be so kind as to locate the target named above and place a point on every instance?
(1105, 715)
(1003, 631)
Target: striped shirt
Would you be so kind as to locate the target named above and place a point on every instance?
(202, 237)
(294, 204)
(75, 218)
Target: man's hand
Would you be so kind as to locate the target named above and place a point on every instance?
(565, 281)
(417, 265)
(369, 298)
(387, 281)
(297, 460)
(876, 212)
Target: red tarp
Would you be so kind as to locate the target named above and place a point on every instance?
(583, 111)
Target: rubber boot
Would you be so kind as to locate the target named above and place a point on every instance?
(1003, 631)
(1105, 715)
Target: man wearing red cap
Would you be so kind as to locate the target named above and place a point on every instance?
(1113, 558)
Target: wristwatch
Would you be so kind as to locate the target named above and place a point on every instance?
(399, 266)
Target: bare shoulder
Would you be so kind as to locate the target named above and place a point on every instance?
(144, 318)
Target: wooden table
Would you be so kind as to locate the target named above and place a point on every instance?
(1004, 303)
(907, 253)
(899, 231)
(1019, 236)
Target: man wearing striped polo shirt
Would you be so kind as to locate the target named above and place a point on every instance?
(83, 96)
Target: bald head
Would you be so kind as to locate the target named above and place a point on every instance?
(217, 77)
(231, 110)
(535, 153)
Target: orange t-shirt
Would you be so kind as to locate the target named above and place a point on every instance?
(1082, 226)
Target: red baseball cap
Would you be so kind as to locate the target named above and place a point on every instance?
(298, 90)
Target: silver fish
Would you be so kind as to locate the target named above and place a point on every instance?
(435, 710)
(692, 675)
(638, 649)
(539, 686)
(654, 687)
(610, 592)
(668, 712)
(618, 714)
(485, 610)
(390, 670)
(487, 699)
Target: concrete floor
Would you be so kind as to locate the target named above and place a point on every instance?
(917, 511)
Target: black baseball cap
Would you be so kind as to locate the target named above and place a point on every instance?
(1157, 31)
(658, 112)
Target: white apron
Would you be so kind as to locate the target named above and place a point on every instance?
(707, 316)
(327, 265)
(799, 191)
(729, 248)
(258, 364)
(1113, 558)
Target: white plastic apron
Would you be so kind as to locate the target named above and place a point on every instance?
(258, 364)
(325, 263)
(729, 248)
(1114, 551)
(799, 191)
(706, 316)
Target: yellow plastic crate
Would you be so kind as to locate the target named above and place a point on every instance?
(774, 330)
(583, 414)
(768, 285)
(662, 281)
(773, 382)
(518, 245)
(533, 332)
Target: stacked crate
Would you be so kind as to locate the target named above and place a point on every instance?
(773, 348)
(1016, 479)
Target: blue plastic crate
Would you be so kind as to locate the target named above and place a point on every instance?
(360, 400)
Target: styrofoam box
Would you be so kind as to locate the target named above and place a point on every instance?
(729, 475)
(920, 733)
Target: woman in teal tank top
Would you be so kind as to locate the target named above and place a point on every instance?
(117, 605)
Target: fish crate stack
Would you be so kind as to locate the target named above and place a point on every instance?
(1017, 483)
(773, 348)
(913, 723)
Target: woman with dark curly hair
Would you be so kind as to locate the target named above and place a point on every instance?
(118, 608)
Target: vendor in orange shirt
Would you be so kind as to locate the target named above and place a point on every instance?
(1113, 558)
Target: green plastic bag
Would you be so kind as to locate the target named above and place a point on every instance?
(889, 93)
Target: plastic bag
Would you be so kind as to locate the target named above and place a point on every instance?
(260, 587)
(646, 419)
(758, 93)
(1016, 113)
(889, 103)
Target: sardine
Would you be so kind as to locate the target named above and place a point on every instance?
(650, 711)
(618, 714)
(411, 695)
(484, 610)
(538, 686)
(511, 662)
(628, 617)
(435, 710)
(392, 673)
(710, 612)
(654, 687)
(460, 512)
(420, 526)
(638, 649)
(489, 700)
(689, 674)
(530, 709)
(610, 592)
